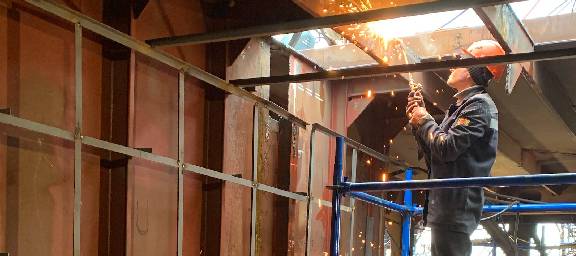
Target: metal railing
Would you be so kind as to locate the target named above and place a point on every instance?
(355, 190)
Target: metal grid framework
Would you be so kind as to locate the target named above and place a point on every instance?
(81, 22)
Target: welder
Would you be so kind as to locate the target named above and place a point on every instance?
(462, 145)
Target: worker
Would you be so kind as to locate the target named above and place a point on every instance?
(463, 145)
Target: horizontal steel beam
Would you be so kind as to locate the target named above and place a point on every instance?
(520, 180)
(145, 49)
(540, 208)
(374, 71)
(323, 22)
(380, 202)
(357, 145)
(167, 161)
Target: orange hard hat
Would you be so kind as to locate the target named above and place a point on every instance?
(484, 48)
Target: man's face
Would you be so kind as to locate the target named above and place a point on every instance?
(459, 77)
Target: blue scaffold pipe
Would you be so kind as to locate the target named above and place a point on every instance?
(336, 196)
(520, 180)
(379, 201)
(546, 207)
(407, 219)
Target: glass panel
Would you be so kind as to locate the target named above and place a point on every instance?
(547, 21)
(392, 42)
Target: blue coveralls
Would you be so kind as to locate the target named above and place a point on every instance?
(463, 145)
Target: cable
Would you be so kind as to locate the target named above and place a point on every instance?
(452, 20)
(500, 212)
(513, 197)
(531, 9)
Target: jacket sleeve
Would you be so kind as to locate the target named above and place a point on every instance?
(471, 124)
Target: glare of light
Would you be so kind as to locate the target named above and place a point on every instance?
(392, 93)
(325, 10)
(369, 93)
(368, 162)
(390, 223)
(384, 177)
(391, 141)
(363, 241)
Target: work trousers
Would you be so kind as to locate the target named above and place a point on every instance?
(450, 243)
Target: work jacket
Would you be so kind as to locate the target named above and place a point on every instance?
(463, 145)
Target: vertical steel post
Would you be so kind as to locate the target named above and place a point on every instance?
(336, 197)
(77, 138)
(352, 202)
(310, 198)
(181, 162)
(254, 181)
(407, 218)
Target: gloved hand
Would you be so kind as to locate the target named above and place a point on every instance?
(415, 99)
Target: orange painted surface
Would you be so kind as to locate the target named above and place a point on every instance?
(152, 219)
(37, 70)
(311, 101)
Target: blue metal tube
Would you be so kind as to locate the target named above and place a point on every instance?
(336, 196)
(520, 180)
(379, 201)
(548, 207)
(407, 219)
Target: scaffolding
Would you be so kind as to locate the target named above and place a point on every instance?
(341, 188)
(355, 190)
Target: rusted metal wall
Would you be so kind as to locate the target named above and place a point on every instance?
(37, 70)
(312, 102)
(254, 60)
(152, 196)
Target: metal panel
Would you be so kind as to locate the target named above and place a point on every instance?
(323, 22)
(145, 49)
(375, 71)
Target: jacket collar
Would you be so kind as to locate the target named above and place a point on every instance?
(465, 94)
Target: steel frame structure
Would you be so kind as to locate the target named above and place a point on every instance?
(342, 188)
(82, 22)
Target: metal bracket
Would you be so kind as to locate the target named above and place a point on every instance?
(7, 111)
